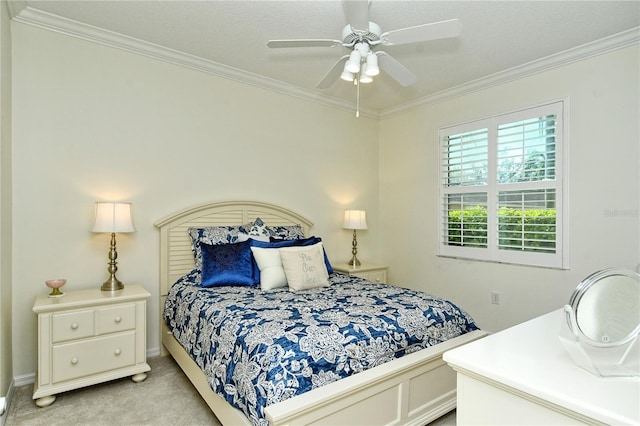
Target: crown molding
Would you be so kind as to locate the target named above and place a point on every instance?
(21, 12)
(579, 53)
(15, 6)
(28, 15)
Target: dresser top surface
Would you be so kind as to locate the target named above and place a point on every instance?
(530, 358)
(90, 297)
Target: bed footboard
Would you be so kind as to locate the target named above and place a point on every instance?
(412, 390)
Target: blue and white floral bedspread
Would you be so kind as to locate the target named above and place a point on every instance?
(258, 347)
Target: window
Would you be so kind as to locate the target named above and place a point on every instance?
(501, 188)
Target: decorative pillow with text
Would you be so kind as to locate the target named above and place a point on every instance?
(304, 267)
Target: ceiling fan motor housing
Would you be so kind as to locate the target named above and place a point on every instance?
(350, 35)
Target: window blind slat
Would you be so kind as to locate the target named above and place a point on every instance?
(526, 150)
(527, 220)
(465, 220)
(465, 158)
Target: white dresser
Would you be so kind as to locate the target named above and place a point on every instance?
(523, 375)
(87, 337)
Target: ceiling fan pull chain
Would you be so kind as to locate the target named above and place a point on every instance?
(355, 81)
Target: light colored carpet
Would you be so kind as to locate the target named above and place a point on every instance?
(166, 397)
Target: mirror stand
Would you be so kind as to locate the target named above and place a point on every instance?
(607, 361)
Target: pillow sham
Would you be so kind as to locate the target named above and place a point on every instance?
(227, 264)
(212, 235)
(271, 274)
(259, 229)
(246, 237)
(288, 232)
(304, 267)
(284, 232)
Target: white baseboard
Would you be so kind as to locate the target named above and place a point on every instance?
(25, 379)
(153, 352)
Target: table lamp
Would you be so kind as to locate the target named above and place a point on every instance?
(355, 219)
(111, 218)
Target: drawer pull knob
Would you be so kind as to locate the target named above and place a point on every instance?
(117, 352)
(74, 361)
(74, 325)
(118, 319)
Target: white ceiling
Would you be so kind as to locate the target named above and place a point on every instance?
(499, 38)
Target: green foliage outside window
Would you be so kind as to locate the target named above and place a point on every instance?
(468, 227)
(527, 230)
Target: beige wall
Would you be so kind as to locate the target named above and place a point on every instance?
(94, 123)
(6, 371)
(603, 196)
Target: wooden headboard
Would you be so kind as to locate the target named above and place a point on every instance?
(176, 257)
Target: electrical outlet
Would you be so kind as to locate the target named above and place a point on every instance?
(495, 298)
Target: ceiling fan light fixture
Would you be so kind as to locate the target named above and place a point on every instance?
(372, 65)
(346, 75)
(364, 77)
(353, 64)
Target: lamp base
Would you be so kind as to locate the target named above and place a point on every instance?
(112, 284)
(354, 262)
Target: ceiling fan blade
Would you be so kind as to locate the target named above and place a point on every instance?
(332, 75)
(304, 43)
(425, 32)
(357, 12)
(395, 69)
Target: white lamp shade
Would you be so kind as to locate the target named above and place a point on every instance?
(372, 65)
(353, 64)
(355, 219)
(346, 74)
(113, 217)
(364, 77)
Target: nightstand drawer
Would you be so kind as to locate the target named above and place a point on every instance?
(116, 318)
(72, 325)
(78, 359)
(368, 271)
(378, 276)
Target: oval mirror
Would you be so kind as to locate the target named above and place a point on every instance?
(606, 306)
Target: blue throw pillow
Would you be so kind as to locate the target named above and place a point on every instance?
(212, 235)
(227, 264)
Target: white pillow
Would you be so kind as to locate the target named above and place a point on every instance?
(271, 272)
(304, 267)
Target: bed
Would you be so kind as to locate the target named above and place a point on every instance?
(412, 389)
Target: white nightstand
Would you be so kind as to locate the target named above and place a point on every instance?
(369, 271)
(87, 337)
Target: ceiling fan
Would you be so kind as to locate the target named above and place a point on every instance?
(363, 38)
